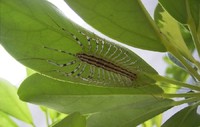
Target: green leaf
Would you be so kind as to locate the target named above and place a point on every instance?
(187, 37)
(42, 38)
(156, 121)
(172, 31)
(53, 114)
(175, 61)
(6, 121)
(178, 11)
(10, 103)
(194, 6)
(177, 73)
(49, 92)
(185, 12)
(29, 72)
(72, 120)
(125, 21)
(128, 115)
(125, 104)
(187, 117)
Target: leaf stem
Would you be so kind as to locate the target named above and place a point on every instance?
(47, 117)
(171, 81)
(191, 70)
(33, 125)
(197, 95)
(189, 100)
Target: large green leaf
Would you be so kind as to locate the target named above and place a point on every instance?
(178, 11)
(6, 121)
(42, 38)
(172, 31)
(187, 117)
(72, 120)
(186, 11)
(126, 21)
(128, 115)
(127, 105)
(10, 103)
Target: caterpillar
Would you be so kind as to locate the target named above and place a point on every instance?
(99, 62)
(80, 56)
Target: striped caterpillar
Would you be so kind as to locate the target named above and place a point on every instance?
(99, 63)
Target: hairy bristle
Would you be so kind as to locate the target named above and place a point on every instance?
(99, 62)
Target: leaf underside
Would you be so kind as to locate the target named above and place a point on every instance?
(42, 38)
(125, 21)
(113, 107)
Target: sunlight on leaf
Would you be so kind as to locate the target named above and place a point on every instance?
(10, 103)
(6, 120)
(156, 121)
(172, 30)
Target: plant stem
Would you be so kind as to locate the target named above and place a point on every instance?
(167, 80)
(189, 100)
(197, 95)
(198, 103)
(47, 117)
(191, 70)
(33, 125)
